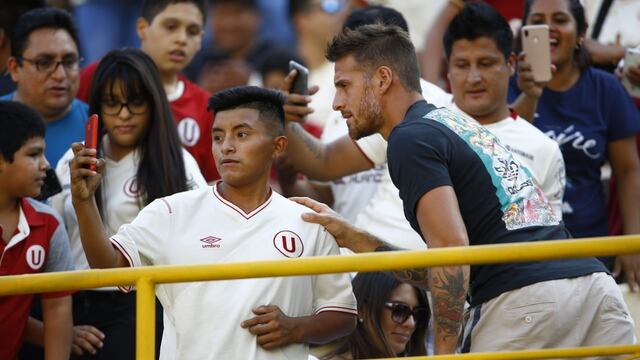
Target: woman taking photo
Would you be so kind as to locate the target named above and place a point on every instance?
(144, 161)
(392, 320)
(593, 120)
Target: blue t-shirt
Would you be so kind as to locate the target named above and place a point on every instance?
(498, 199)
(61, 133)
(584, 120)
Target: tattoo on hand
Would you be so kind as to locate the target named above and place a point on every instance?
(448, 291)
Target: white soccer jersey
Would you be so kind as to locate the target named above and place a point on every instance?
(369, 199)
(374, 147)
(120, 194)
(202, 227)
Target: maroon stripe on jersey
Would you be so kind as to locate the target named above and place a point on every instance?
(124, 252)
(337, 309)
(237, 209)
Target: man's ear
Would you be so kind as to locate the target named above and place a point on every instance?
(511, 63)
(14, 69)
(279, 145)
(141, 28)
(383, 79)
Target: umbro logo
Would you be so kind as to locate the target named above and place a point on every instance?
(210, 242)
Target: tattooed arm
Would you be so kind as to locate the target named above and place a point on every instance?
(442, 225)
(323, 161)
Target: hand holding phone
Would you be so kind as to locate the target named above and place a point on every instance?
(91, 135)
(300, 85)
(535, 44)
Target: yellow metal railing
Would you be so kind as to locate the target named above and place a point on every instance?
(145, 278)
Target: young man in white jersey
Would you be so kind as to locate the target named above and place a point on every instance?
(238, 219)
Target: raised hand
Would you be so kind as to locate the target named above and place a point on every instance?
(84, 181)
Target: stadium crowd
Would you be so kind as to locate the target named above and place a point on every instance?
(421, 124)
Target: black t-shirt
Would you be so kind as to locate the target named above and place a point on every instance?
(499, 202)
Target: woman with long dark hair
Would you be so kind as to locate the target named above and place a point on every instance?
(392, 320)
(144, 161)
(592, 118)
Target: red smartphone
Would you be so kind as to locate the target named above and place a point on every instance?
(91, 135)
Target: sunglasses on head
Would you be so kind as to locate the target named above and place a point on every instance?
(400, 312)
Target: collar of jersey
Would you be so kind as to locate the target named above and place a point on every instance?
(245, 215)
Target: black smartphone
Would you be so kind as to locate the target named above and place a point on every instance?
(50, 187)
(299, 85)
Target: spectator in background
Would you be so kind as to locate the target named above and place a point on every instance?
(591, 116)
(144, 161)
(171, 33)
(392, 320)
(234, 27)
(275, 66)
(11, 11)
(480, 61)
(315, 23)
(220, 71)
(32, 236)
(44, 64)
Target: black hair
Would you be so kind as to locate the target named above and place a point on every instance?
(277, 59)
(372, 291)
(479, 20)
(18, 124)
(376, 14)
(581, 56)
(299, 6)
(267, 102)
(161, 171)
(151, 8)
(41, 18)
(11, 11)
(249, 4)
(376, 45)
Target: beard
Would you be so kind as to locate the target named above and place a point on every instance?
(369, 116)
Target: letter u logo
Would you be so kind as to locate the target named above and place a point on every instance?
(288, 244)
(290, 247)
(35, 257)
(189, 131)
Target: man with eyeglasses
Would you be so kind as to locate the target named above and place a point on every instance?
(44, 64)
(315, 23)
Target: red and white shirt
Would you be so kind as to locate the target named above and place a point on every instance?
(40, 244)
(200, 226)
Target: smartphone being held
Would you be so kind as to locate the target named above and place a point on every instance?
(535, 43)
(91, 135)
(299, 85)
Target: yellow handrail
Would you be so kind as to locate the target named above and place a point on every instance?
(145, 278)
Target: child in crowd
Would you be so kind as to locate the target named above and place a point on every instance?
(170, 33)
(392, 320)
(33, 237)
(143, 161)
(238, 219)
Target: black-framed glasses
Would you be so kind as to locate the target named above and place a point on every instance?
(400, 312)
(49, 65)
(135, 107)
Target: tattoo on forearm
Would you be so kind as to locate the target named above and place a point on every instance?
(312, 144)
(448, 292)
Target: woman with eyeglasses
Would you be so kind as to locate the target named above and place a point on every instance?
(392, 320)
(138, 140)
